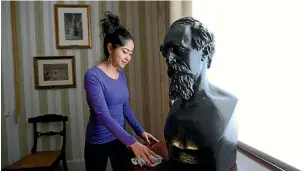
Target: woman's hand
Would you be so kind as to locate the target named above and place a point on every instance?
(141, 151)
(146, 136)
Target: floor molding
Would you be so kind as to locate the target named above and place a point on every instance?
(78, 165)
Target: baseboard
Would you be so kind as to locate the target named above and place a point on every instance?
(78, 165)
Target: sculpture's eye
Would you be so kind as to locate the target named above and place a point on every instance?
(179, 49)
(176, 49)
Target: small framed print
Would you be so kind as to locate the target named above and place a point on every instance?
(54, 72)
(73, 26)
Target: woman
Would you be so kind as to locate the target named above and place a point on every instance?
(107, 96)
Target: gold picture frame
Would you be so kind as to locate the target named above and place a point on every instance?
(54, 72)
(73, 26)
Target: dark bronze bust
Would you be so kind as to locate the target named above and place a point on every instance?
(200, 129)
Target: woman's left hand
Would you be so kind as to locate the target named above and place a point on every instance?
(146, 136)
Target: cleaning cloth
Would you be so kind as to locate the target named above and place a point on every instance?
(158, 160)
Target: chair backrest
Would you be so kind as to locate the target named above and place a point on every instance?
(47, 118)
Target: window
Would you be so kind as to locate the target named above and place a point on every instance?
(259, 58)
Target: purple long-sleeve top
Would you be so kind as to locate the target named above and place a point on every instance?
(108, 100)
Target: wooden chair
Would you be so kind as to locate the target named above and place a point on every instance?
(43, 160)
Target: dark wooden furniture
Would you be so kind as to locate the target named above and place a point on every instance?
(161, 149)
(43, 160)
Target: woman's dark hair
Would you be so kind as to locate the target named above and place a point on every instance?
(113, 32)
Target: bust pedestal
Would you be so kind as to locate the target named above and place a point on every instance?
(160, 148)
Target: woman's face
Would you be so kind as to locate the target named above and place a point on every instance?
(122, 55)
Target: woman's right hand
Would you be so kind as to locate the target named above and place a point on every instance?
(141, 151)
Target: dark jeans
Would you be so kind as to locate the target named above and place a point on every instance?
(96, 156)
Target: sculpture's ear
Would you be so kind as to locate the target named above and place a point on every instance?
(207, 53)
(203, 58)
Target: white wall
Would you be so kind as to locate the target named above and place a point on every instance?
(259, 59)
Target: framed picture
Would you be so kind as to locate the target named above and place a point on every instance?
(54, 72)
(73, 26)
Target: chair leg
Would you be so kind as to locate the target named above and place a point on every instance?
(64, 163)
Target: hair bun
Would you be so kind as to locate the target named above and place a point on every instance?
(109, 23)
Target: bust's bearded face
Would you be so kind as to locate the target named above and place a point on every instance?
(183, 61)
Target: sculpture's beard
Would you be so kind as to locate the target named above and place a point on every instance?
(181, 83)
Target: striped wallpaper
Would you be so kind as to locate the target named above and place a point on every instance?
(147, 79)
